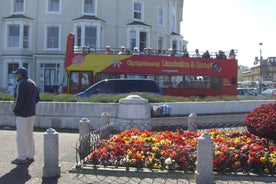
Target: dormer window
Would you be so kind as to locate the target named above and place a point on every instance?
(89, 7)
(18, 7)
(138, 11)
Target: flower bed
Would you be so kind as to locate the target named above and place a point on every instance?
(262, 121)
(176, 151)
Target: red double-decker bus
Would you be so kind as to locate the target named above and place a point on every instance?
(177, 76)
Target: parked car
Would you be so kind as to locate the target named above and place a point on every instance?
(246, 92)
(268, 93)
(118, 86)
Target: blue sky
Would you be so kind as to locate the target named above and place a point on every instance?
(231, 24)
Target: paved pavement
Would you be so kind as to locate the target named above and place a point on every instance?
(33, 173)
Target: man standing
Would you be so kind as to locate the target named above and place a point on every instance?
(26, 98)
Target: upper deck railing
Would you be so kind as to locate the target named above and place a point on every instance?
(154, 52)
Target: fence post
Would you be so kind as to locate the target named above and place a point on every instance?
(204, 170)
(192, 122)
(51, 166)
(104, 130)
(105, 117)
(84, 127)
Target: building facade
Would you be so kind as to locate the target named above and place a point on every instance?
(33, 33)
(266, 73)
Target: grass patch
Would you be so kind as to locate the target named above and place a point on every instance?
(107, 98)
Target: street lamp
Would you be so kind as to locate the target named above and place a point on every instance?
(261, 72)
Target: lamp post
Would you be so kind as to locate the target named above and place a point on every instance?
(261, 72)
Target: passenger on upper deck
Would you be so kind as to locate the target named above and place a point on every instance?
(206, 54)
(197, 55)
(108, 50)
(150, 52)
(84, 50)
(185, 53)
(145, 52)
(231, 54)
(170, 52)
(220, 55)
(163, 53)
(136, 51)
(122, 50)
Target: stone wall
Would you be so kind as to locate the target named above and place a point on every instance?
(68, 115)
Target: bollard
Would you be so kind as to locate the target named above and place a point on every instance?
(105, 117)
(51, 166)
(84, 127)
(192, 122)
(204, 170)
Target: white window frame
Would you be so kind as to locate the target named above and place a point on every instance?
(21, 25)
(53, 12)
(26, 39)
(16, 43)
(14, 11)
(138, 29)
(160, 17)
(46, 38)
(142, 10)
(160, 37)
(95, 8)
(173, 25)
(82, 25)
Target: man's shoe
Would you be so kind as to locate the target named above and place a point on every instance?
(19, 161)
(30, 160)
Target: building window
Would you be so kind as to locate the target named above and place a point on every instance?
(87, 35)
(52, 37)
(160, 43)
(26, 37)
(14, 35)
(132, 39)
(160, 17)
(89, 7)
(138, 11)
(90, 36)
(53, 6)
(174, 45)
(173, 23)
(18, 6)
(78, 36)
(143, 40)
(18, 35)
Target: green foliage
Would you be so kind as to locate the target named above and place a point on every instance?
(106, 98)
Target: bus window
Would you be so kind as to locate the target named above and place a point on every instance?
(139, 76)
(197, 82)
(170, 81)
(102, 76)
(80, 80)
(216, 82)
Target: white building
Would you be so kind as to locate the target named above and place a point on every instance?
(33, 32)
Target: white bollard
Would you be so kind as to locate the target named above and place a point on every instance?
(204, 170)
(51, 166)
(192, 122)
(105, 118)
(84, 127)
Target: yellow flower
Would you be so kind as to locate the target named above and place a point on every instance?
(157, 166)
(155, 149)
(267, 171)
(263, 159)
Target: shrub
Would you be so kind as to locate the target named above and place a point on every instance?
(262, 121)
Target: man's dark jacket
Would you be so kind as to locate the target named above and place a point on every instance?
(26, 98)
